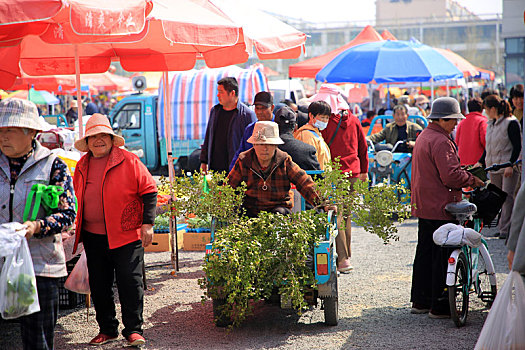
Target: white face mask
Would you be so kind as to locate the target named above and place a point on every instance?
(320, 125)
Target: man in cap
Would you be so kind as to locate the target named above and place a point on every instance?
(228, 120)
(302, 153)
(437, 179)
(24, 163)
(268, 173)
(263, 103)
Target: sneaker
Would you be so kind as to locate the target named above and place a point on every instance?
(135, 339)
(345, 266)
(419, 309)
(102, 339)
(438, 315)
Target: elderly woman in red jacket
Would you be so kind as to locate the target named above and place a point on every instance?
(116, 209)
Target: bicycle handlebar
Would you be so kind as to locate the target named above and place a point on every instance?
(495, 167)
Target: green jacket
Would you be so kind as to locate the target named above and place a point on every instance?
(389, 133)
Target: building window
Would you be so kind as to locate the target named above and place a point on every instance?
(514, 61)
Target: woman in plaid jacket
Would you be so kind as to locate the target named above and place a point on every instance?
(268, 173)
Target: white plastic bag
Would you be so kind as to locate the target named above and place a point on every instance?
(18, 293)
(505, 325)
(78, 280)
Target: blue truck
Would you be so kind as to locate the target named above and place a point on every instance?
(136, 119)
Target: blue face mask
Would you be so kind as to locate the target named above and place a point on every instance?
(320, 125)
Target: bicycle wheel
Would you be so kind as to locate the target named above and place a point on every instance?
(485, 290)
(458, 294)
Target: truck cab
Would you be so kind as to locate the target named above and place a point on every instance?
(135, 119)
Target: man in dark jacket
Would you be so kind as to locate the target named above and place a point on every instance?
(226, 125)
(437, 179)
(302, 153)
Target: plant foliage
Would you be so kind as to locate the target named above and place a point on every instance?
(255, 257)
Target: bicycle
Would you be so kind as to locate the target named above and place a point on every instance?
(470, 269)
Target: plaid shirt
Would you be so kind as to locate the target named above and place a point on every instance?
(271, 188)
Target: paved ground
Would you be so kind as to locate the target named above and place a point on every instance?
(374, 309)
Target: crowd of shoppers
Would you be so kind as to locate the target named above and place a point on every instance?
(116, 195)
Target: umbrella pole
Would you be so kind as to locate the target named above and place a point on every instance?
(432, 89)
(371, 97)
(167, 126)
(79, 97)
(448, 91)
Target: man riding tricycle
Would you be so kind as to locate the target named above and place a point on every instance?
(390, 150)
(260, 250)
(268, 173)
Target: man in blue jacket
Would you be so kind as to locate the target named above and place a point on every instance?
(226, 125)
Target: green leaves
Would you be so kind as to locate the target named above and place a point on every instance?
(255, 257)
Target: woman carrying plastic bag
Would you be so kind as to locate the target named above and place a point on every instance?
(36, 190)
(505, 325)
(18, 295)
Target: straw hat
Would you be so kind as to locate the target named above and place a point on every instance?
(73, 104)
(19, 113)
(265, 133)
(445, 108)
(98, 124)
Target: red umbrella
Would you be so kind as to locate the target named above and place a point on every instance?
(309, 68)
(462, 64)
(74, 21)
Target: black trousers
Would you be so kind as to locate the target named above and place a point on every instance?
(126, 264)
(38, 329)
(430, 268)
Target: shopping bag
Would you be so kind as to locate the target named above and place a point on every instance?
(18, 293)
(78, 280)
(505, 325)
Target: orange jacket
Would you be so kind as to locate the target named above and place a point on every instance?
(124, 182)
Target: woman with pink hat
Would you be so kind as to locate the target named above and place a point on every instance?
(116, 209)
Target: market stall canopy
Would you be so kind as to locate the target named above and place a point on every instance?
(60, 83)
(270, 37)
(388, 62)
(387, 35)
(175, 34)
(39, 97)
(485, 74)
(72, 22)
(467, 68)
(310, 67)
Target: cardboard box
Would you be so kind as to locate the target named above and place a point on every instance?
(162, 241)
(196, 241)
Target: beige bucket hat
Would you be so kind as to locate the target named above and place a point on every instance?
(19, 113)
(98, 124)
(265, 133)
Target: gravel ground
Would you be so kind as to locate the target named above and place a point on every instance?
(374, 309)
